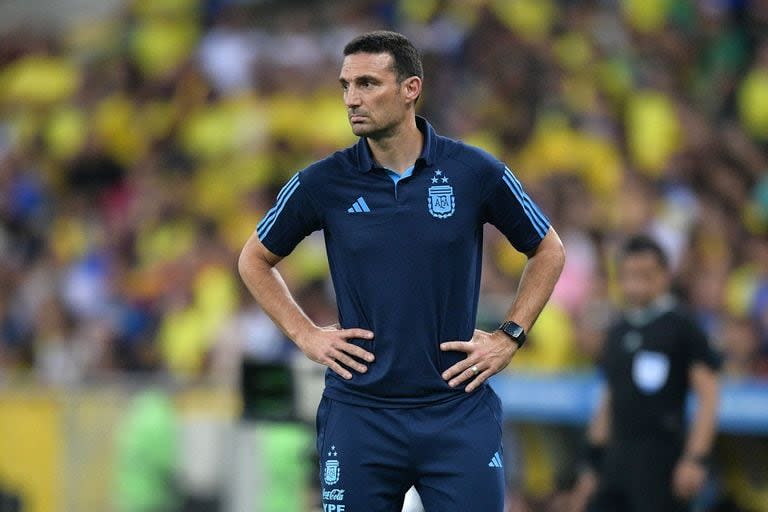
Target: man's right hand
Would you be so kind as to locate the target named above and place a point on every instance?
(330, 346)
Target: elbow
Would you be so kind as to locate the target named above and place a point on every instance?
(560, 256)
(242, 264)
(556, 250)
(550, 252)
(246, 261)
(254, 260)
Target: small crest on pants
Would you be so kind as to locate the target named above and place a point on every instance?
(332, 470)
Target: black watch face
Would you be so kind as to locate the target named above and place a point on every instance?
(513, 330)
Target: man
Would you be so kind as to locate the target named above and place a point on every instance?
(639, 456)
(402, 213)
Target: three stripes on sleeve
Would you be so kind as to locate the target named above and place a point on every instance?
(537, 218)
(282, 198)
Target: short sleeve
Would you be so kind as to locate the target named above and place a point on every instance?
(513, 212)
(290, 220)
(698, 347)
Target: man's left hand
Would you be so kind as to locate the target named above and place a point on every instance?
(487, 354)
(688, 478)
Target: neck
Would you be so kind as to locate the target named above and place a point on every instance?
(641, 314)
(661, 300)
(399, 149)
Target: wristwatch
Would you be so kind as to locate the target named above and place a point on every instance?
(515, 332)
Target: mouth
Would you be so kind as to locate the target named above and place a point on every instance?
(356, 118)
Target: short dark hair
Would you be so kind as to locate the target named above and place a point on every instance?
(640, 244)
(406, 56)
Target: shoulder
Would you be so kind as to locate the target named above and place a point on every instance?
(472, 157)
(683, 316)
(485, 168)
(681, 323)
(317, 173)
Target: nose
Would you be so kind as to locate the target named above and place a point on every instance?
(351, 97)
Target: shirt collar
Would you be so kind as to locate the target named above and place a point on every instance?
(365, 159)
(639, 317)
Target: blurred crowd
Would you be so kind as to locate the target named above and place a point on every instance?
(138, 153)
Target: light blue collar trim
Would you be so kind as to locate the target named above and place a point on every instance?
(639, 317)
(397, 176)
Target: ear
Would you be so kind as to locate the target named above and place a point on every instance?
(412, 88)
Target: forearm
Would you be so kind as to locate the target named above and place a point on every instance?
(704, 426)
(598, 434)
(702, 433)
(600, 427)
(272, 294)
(538, 281)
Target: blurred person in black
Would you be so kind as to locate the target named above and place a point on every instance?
(640, 455)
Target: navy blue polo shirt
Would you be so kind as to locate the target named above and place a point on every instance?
(405, 256)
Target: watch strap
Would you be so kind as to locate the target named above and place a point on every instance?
(515, 332)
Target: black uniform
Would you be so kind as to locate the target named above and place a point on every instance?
(646, 362)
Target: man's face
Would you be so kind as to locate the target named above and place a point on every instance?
(376, 102)
(642, 279)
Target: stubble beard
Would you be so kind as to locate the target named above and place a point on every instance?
(374, 132)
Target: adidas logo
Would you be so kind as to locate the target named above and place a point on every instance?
(495, 461)
(359, 206)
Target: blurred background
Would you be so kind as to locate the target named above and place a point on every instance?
(141, 141)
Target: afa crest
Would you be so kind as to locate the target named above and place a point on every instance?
(332, 471)
(441, 201)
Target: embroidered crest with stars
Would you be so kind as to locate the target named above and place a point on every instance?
(440, 199)
(332, 471)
